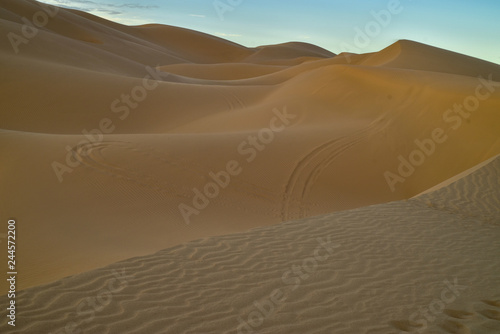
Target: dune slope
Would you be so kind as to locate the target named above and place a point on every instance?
(114, 137)
(345, 272)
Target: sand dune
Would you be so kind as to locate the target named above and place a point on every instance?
(225, 71)
(107, 129)
(457, 197)
(345, 272)
(416, 56)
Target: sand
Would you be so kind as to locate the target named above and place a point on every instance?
(429, 264)
(109, 133)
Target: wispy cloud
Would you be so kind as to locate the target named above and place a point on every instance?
(96, 4)
(119, 12)
(227, 35)
(197, 15)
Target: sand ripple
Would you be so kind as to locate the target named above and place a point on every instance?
(368, 284)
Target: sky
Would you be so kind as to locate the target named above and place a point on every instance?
(359, 26)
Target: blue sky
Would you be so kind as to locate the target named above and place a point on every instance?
(465, 26)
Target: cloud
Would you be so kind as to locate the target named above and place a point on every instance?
(132, 6)
(109, 11)
(99, 5)
(227, 35)
(197, 15)
(122, 12)
(94, 6)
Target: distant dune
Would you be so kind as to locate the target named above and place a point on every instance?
(120, 141)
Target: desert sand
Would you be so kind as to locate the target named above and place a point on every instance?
(203, 170)
(424, 265)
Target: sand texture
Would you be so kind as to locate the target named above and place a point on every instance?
(109, 133)
(366, 270)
